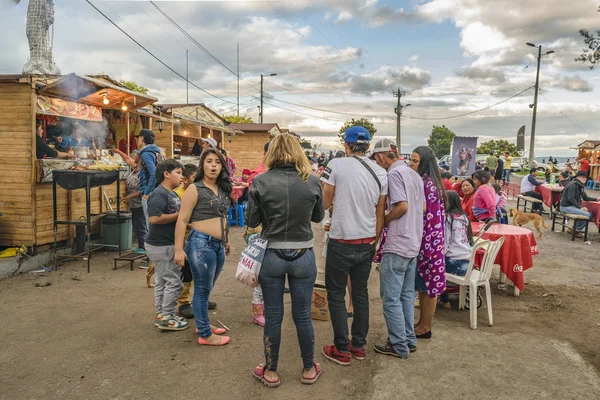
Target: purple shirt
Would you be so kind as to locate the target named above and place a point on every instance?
(405, 233)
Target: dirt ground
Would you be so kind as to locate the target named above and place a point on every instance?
(91, 336)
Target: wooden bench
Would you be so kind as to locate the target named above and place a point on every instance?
(527, 199)
(131, 258)
(565, 224)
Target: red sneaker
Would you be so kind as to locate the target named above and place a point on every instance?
(359, 354)
(331, 353)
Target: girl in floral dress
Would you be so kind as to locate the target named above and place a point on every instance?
(430, 280)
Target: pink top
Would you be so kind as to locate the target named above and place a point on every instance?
(501, 200)
(484, 203)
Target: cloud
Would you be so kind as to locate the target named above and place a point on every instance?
(414, 58)
(574, 84)
(387, 78)
(482, 74)
(343, 16)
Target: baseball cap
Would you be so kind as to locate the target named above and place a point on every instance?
(581, 173)
(385, 146)
(211, 141)
(357, 134)
(146, 134)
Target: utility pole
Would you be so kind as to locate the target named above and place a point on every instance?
(398, 111)
(262, 80)
(187, 81)
(238, 79)
(535, 102)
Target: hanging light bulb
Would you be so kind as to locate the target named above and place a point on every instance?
(184, 133)
(124, 106)
(105, 97)
(105, 100)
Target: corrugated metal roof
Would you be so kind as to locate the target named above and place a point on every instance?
(254, 127)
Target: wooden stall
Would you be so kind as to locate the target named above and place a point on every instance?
(246, 147)
(26, 203)
(590, 149)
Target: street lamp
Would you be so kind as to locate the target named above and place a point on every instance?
(262, 79)
(537, 87)
(160, 125)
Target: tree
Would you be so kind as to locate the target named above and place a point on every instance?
(134, 87)
(237, 119)
(590, 54)
(365, 123)
(440, 140)
(497, 146)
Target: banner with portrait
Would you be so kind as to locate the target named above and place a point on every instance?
(464, 156)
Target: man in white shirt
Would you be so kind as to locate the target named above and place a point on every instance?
(357, 188)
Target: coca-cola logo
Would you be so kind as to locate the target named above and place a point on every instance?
(518, 268)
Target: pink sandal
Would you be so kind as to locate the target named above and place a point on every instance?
(224, 340)
(259, 373)
(313, 380)
(216, 331)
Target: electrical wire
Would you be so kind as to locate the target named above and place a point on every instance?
(331, 111)
(565, 115)
(155, 57)
(471, 112)
(299, 113)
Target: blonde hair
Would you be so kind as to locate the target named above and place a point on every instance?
(285, 149)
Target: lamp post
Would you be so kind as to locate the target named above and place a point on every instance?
(160, 125)
(262, 80)
(535, 100)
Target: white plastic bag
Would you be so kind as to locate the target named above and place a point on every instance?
(250, 261)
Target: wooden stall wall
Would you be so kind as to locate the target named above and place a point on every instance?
(247, 150)
(70, 206)
(17, 149)
(164, 139)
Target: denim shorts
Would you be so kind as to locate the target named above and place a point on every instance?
(420, 283)
(457, 267)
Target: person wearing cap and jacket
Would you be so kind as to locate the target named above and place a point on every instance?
(572, 195)
(358, 188)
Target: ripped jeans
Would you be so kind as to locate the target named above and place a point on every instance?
(301, 274)
(206, 256)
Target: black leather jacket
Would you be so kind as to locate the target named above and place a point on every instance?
(573, 194)
(284, 205)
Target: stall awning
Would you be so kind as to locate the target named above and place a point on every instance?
(91, 91)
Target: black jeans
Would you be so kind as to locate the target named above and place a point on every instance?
(301, 274)
(138, 219)
(354, 260)
(538, 206)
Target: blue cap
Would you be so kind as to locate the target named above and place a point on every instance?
(357, 134)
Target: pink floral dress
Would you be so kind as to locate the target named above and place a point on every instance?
(431, 260)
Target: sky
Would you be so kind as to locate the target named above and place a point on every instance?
(342, 59)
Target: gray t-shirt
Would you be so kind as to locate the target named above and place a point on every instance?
(458, 246)
(404, 234)
(356, 197)
(162, 201)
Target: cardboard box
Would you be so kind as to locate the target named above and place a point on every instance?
(320, 308)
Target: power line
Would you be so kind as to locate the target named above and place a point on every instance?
(154, 56)
(331, 111)
(565, 115)
(306, 115)
(471, 112)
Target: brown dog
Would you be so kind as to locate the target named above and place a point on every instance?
(520, 219)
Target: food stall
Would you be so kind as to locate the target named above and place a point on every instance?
(590, 149)
(58, 103)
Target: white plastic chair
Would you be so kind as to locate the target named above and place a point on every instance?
(475, 278)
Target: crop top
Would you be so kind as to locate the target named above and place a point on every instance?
(209, 205)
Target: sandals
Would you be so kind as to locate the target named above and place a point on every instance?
(216, 331)
(259, 373)
(313, 380)
(224, 340)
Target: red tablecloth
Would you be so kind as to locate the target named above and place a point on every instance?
(551, 195)
(594, 208)
(516, 254)
(237, 192)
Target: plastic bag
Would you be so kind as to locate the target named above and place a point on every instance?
(250, 262)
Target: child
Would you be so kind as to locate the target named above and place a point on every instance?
(185, 299)
(459, 241)
(244, 182)
(163, 210)
(500, 203)
(258, 302)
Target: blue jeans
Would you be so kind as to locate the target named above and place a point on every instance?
(206, 256)
(145, 209)
(138, 220)
(301, 274)
(397, 288)
(580, 224)
(455, 267)
(507, 175)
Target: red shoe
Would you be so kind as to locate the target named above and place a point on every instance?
(259, 373)
(224, 340)
(331, 353)
(359, 354)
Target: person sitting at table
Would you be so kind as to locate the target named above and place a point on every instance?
(74, 140)
(459, 241)
(448, 180)
(468, 189)
(245, 183)
(501, 213)
(571, 198)
(42, 150)
(528, 185)
(564, 178)
(484, 201)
